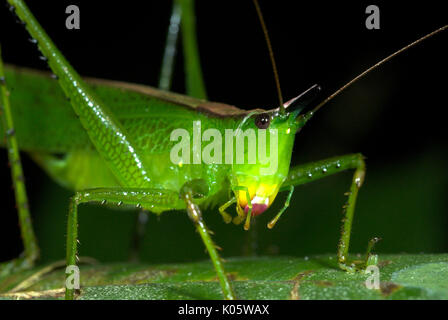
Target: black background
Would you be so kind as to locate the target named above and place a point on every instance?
(395, 116)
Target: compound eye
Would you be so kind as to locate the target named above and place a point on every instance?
(262, 121)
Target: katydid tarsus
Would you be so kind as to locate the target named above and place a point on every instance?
(129, 150)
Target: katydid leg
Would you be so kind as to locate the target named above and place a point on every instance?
(169, 53)
(241, 215)
(149, 199)
(272, 223)
(316, 170)
(222, 210)
(193, 72)
(31, 249)
(106, 133)
(195, 214)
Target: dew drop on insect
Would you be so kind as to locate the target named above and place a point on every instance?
(139, 206)
(103, 202)
(324, 170)
(310, 175)
(119, 203)
(338, 165)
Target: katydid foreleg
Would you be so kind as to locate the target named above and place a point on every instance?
(285, 206)
(241, 215)
(31, 249)
(316, 170)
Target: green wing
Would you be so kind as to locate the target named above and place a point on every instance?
(45, 122)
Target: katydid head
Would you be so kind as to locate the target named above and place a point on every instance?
(257, 183)
(263, 150)
(257, 179)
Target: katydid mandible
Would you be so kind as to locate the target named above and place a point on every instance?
(134, 169)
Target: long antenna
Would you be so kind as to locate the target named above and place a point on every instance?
(361, 75)
(271, 55)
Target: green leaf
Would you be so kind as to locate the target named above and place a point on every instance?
(430, 277)
(401, 277)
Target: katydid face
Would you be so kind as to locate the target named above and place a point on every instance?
(265, 167)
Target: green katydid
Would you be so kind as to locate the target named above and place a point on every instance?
(138, 170)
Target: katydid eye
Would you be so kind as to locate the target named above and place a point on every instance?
(262, 121)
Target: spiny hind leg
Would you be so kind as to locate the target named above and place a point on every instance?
(187, 193)
(316, 170)
(31, 249)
